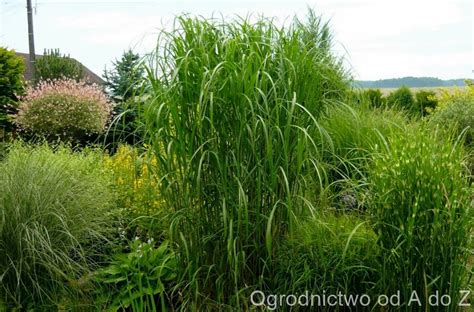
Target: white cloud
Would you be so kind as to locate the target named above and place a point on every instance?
(383, 38)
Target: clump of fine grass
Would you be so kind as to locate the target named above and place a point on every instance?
(421, 201)
(232, 122)
(327, 254)
(53, 215)
(355, 132)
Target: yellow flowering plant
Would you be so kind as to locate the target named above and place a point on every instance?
(134, 182)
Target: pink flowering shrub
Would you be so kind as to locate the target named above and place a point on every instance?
(64, 108)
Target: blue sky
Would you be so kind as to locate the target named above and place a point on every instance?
(378, 38)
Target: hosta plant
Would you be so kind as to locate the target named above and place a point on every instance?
(139, 280)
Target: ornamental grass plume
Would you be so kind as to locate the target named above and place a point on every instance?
(64, 108)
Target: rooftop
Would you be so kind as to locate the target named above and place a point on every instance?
(88, 74)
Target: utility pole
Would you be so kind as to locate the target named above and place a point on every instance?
(31, 38)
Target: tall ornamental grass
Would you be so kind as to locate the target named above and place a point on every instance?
(232, 122)
(53, 219)
(422, 204)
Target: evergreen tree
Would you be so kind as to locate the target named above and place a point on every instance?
(122, 83)
(125, 78)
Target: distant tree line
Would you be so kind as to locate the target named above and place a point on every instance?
(412, 82)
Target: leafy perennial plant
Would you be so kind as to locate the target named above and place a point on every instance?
(134, 184)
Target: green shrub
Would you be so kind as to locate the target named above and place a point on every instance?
(140, 279)
(52, 65)
(422, 206)
(425, 101)
(12, 68)
(460, 116)
(64, 109)
(53, 218)
(402, 98)
(456, 111)
(231, 121)
(374, 97)
(329, 253)
(8, 107)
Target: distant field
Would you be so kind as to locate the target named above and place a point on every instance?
(387, 91)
